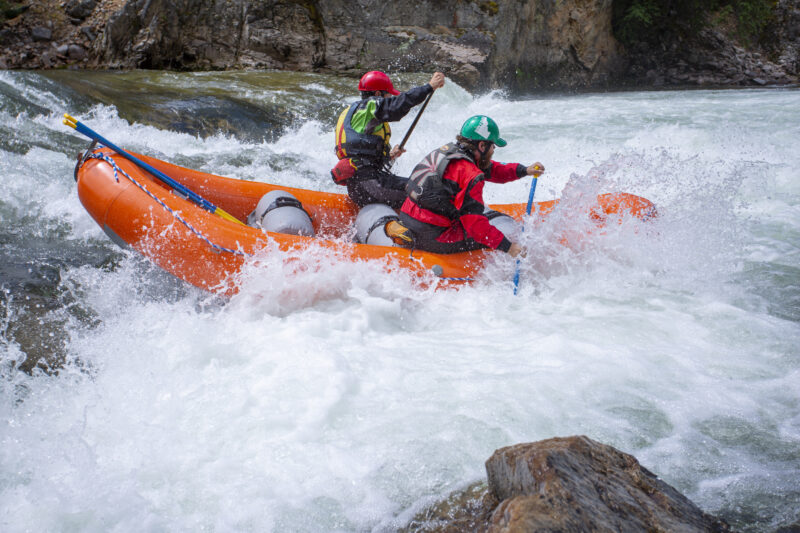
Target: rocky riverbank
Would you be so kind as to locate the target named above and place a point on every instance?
(518, 45)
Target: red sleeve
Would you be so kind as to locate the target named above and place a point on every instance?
(505, 172)
(479, 228)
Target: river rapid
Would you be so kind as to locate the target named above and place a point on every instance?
(348, 399)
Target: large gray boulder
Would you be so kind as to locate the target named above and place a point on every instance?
(564, 485)
(578, 484)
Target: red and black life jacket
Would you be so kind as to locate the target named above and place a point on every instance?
(426, 179)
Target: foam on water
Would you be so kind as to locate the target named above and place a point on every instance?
(337, 397)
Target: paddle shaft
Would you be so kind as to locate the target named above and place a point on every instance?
(530, 196)
(416, 119)
(527, 213)
(191, 195)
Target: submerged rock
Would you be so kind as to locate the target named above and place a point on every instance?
(210, 115)
(467, 510)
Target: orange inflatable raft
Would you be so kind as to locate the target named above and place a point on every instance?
(206, 250)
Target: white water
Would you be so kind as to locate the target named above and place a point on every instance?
(347, 400)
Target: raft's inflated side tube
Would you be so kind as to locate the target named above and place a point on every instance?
(281, 212)
(503, 222)
(371, 224)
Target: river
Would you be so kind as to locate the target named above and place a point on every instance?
(348, 399)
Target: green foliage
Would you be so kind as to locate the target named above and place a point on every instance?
(642, 13)
(9, 11)
(648, 20)
(3, 9)
(637, 19)
(752, 16)
(723, 14)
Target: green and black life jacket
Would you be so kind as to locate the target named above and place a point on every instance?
(371, 146)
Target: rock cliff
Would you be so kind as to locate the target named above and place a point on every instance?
(480, 44)
(519, 45)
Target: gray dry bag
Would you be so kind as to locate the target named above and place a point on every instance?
(281, 212)
(371, 223)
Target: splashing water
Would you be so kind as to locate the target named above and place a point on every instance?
(340, 397)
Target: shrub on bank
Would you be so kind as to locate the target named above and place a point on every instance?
(647, 20)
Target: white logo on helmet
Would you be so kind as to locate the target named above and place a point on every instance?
(483, 128)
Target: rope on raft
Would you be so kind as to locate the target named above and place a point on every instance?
(179, 218)
(171, 211)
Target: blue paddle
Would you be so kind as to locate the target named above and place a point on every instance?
(194, 197)
(527, 213)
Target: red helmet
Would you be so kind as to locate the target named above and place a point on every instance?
(377, 81)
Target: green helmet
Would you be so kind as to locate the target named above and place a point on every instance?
(482, 128)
